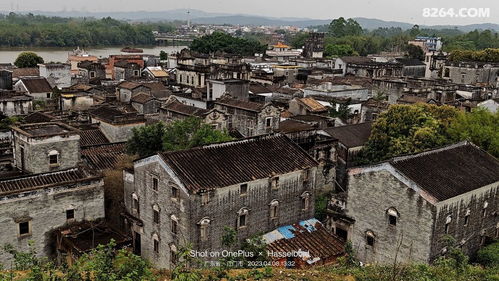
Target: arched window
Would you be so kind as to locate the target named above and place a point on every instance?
(174, 224)
(448, 220)
(242, 220)
(173, 253)
(467, 216)
(203, 228)
(393, 216)
(53, 158)
(484, 210)
(135, 203)
(155, 213)
(155, 242)
(274, 209)
(370, 238)
(305, 199)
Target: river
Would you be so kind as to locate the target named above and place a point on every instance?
(9, 55)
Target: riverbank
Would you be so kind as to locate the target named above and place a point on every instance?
(60, 54)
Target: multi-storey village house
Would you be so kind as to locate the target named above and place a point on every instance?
(252, 185)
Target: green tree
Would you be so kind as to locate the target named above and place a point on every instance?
(480, 126)
(28, 59)
(223, 42)
(339, 50)
(407, 129)
(489, 255)
(415, 52)
(146, 140)
(163, 55)
(189, 133)
(340, 27)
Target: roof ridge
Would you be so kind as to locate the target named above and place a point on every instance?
(432, 151)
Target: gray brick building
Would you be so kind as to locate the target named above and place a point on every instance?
(252, 185)
(49, 189)
(403, 208)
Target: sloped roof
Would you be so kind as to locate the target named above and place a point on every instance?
(246, 105)
(450, 171)
(313, 105)
(234, 162)
(92, 137)
(351, 135)
(157, 71)
(306, 236)
(38, 117)
(185, 109)
(28, 71)
(128, 85)
(292, 126)
(356, 59)
(141, 98)
(37, 85)
(105, 156)
(45, 180)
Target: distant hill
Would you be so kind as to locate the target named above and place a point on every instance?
(201, 17)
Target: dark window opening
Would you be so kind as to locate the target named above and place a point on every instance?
(466, 219)
(175, 192)
(156, 216)
(155, 184)
(24, 228)
(174, 226)
(243, 189)
(242, 220)
(53, 159)
(156, 246)
(70, 214)
(392, 220)
(341, 233)
(370, 240)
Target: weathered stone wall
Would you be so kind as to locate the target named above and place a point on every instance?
(471, 234)
(46, 210)
(118, 132)
(36, 152)
(221, 210)
(370, 194)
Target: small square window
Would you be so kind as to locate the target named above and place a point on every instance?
(48, 95)
(53, 159)
(243, 189)
(24, 228)
(268, 122)
(70, 214)
(175, 193)
(205, 198)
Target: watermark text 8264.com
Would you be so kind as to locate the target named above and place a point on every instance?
(456, 13)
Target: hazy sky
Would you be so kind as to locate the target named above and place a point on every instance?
(398, 10)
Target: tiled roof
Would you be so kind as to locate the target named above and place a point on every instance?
(37, 85)
(351, 135)
(141, 98)
(38, 117)
(356, 59)
(234, 162)
(157, 72)
(128, 85)
(313, 105)
(178, 107)
(291, 126)
(21, 72)
(307, 236)
(13, 96)
(92, 137)
(246, 105)
(450, 171)
(114, 115)
(45, 180)
(105, 156)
